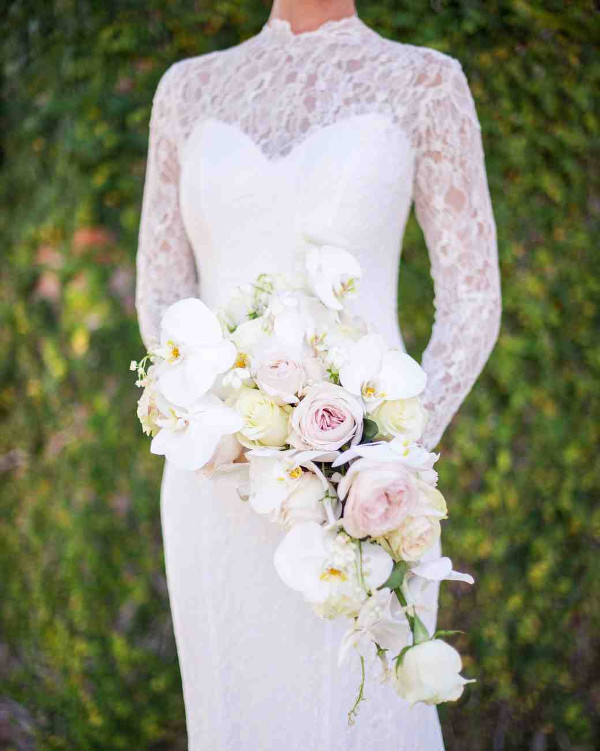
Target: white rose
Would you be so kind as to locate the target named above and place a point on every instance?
(400, 417)
(265, 421)
(430, 672)
(326, 418)
(305, 503)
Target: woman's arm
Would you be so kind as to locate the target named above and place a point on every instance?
(166, 270)
(453, 208)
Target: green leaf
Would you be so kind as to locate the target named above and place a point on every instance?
(400, 657)
(370, 430)
(420, 632)
(442, 632)
(396, 578)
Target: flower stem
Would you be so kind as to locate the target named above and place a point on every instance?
(352, 714)
(417, 627)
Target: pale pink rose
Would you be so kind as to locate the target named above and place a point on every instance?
(327, 418)
(282, 378)
(380, 496)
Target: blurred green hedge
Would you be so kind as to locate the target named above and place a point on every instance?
(88, 660)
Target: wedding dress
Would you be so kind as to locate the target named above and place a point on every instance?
(255, 153)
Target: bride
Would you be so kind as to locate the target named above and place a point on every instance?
(315, 130)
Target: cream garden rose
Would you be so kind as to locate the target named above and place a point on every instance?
(414, 537)
(400, 417)
(265, 421)
(326, 418)
(430, 672)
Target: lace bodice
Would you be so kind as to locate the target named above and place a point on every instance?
(281, 90)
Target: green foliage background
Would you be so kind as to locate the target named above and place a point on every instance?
(88, 660)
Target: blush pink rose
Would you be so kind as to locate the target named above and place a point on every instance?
(327, 418)
(379, 497)
(282, 378)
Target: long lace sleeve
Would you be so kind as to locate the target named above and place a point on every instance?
(166, 270)
(454, 211)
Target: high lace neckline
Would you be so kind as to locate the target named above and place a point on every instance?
(281, 28)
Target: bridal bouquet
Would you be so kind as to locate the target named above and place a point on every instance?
(326, 419)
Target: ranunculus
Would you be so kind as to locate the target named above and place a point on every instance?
(414, 537)
(326, 418)
(380, 496)
(400, 417)
(265, 421)
(281, 378)
(430, 672)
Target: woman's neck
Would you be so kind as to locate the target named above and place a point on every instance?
(308, 15)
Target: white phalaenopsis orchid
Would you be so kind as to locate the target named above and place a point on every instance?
(334, 342)
(189, 437)
(409, 453)
(275, 475)
(332, 274)
(333, 572)
(381, 621)
(193, 352)
(242, 304)
(422, 574)
(377, 373)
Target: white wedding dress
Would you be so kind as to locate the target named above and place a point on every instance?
(255, 153)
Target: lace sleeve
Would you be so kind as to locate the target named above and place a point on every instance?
(454, 211)
(166, 270)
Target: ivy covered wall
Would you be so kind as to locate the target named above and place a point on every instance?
(88, 661)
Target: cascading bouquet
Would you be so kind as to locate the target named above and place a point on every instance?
(326, 419)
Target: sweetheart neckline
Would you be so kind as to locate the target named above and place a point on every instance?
(310, 135)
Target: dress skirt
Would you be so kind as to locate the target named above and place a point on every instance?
(259, 668)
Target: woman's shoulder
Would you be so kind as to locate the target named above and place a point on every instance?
(420, 56)
(201, 69)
